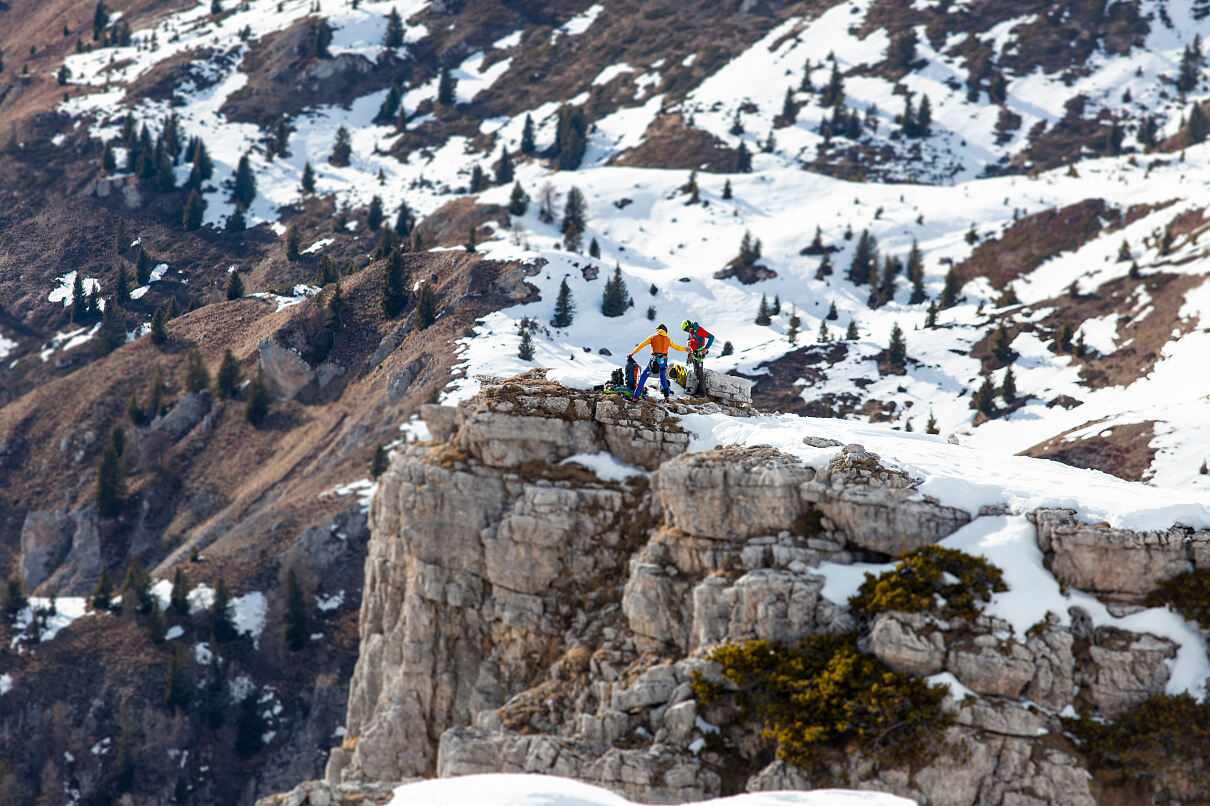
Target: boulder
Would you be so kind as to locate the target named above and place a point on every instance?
(182, 418)
(991, 666)
(908, 642)
(285, 368)
(1122, 670)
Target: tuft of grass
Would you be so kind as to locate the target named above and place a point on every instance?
(931, 579)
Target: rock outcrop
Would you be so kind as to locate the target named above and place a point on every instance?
(522, 614)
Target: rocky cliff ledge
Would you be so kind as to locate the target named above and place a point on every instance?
(524, 613)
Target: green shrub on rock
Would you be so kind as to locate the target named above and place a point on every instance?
(823, 693)
(932, 578)
(1187, 594)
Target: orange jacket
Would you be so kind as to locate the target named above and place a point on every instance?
(660, 343)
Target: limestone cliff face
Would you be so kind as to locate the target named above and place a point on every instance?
(522, 615)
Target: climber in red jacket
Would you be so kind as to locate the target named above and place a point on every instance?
(699, 344)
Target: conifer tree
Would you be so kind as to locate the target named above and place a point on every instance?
(79, 300)
(594, 249)
(121, 289)
(984, 400)
(136, 586)
(379, 462)
(245, 183)
(15, 599)
(575, 210)
(727, 189)
(832, 315)
(930, 319)
(403, 222)
(504, 168)
(375, 215)
(896, 352)
(728, 349)
(446, 85)
(250, 727)
(342, 149)
(228, 377)
(743, 159)
(1008, 389)
(177, 691)
(1197, 127)
(113, 328)
(833, 93)
(478, 181)
(924, 118)
(527, 136)
(192, 214)
(851, 333)
(308, 180)
(293, 242)
(394, 296)
(825, 267)
(615, 299)
(426, 306)
(775, 308)
(1001, 345)
(526, 349)
(931, 426)
(155, 393)
(102, 594)
(789, 109)
(202, 164)
(865, 258)
(571, 138)
(762, 313)
(197, 377)
(472, 240)
(178, 602)
(109, 162)
(235, 285)
(394, 33)
(142, 268)
(518, 202)
(565, 309)
(792, 332)
(222, 620)
(823, 335)
(157, 626)
(915, 273)
(953, 287)
(159, 330)
(257, 406)
(297, 625)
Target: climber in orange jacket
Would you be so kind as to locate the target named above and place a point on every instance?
(660, 343)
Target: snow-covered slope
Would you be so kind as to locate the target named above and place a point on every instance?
(668, 249)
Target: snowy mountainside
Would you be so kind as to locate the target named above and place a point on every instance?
(643, 224)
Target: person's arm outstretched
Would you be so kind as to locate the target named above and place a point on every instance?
(642, 344)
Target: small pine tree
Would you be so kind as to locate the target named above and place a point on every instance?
(142, 268)
(518, 201)
(823, 335)
(930, 319)
(394, 296)
(111, 482)
(250, 728)
(575, 211)
(851, 333)
(984, 400)
(113, 329)
(293, 243)
(931, 426)
(228, 377)
(953, 287)
(527, 136)
(79, 299)
(222, 620)
(426, 306)
(235, 285)
(245, 183)
(178, 602)
(446, 85)
(1124, 253)
(159, 329)
(157, 626)
(594, 249)
(102, 595)
(775, 308)
(1008, 389)
(379, 461)
(727, 189)
(193, 212)
(504, 168)
(121, 239)
(342, 149)
(565, 308)
(257, 407)
(728, 348)
(237, 222)
(792, 332)
(308, 179)
(375, 215)
(15, 599)
(865, 259)
(478, 181)
(896, 352)
(394, 33)
(121, 287)
(615, 299)
(297, 627)
(197, 377)
(525, 351)
(743, 159)
(109, 161)
(762, 313)
(136, 587)
(832, 315)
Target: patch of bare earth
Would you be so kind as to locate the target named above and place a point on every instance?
(1121, 450)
